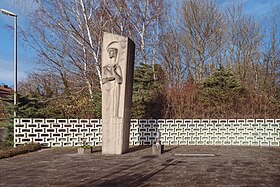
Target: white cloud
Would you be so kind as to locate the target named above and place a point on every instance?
(25, 65)
(7, 71)
(5, 65)
(19, 7)
(260, 8)
(7, 77)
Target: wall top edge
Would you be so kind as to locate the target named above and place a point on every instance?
(179, 119)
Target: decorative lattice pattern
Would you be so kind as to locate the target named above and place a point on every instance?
(69, 132)
(57, 132)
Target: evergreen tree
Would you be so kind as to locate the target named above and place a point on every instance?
(148, 100)
(220, 92)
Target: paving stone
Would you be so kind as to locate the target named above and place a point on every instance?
(233, 166)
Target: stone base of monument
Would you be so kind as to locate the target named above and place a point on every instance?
(157, 149)
(83, 151)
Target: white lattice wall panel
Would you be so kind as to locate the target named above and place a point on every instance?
(68, 132)
(57, 132)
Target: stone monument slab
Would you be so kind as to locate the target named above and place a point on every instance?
(117, 79)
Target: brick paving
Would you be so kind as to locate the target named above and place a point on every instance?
(231, 166)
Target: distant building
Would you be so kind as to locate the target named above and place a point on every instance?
(5, 91)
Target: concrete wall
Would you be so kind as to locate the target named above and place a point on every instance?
(68, 132)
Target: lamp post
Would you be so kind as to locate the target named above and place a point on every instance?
(8, 13)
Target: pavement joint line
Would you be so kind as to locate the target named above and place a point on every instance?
(196, 155)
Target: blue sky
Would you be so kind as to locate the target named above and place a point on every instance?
(258, 8)
(25, 63)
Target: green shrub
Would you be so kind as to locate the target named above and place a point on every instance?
(8, 135)
(19, 150)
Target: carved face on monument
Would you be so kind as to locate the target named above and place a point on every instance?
(112, 52)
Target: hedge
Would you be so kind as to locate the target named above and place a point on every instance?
(19, 150)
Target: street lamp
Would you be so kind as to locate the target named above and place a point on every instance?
(8, 13)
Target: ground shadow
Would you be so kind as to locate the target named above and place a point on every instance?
(125, 178)
(130, 150)
(149, 156)
(138, 148)
(168, 150)
(96, 149)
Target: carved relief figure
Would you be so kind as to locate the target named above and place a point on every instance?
(112, 79)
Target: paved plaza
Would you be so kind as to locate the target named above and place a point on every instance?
(229, 166)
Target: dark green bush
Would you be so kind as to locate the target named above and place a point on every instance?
(9, 135)
(19, 150)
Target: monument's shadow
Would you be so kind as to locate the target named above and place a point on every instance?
(138, 148)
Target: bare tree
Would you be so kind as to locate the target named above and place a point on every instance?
(244, 44)
(189, 41)
(68, 36)
(272, 56)
(142, 18)
(202, 29)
